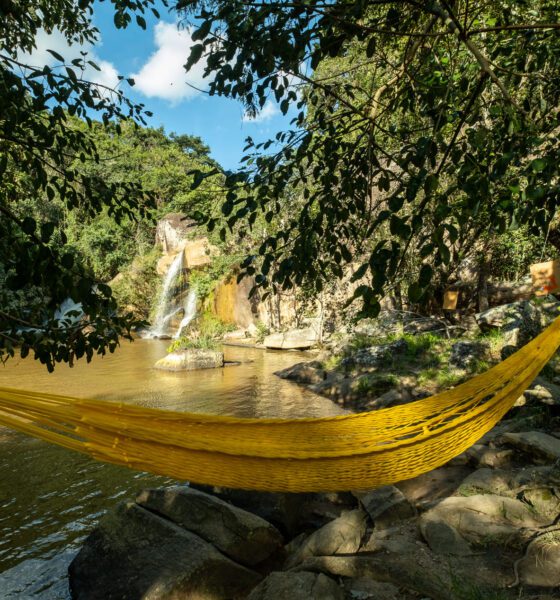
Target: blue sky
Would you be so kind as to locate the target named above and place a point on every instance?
(154, 58)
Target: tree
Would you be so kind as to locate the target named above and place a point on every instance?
(42, 152)
(418, 123)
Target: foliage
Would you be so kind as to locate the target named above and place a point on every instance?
(202, 342)
(204, 281)
(262, 331)
(37, 133)
(419, 127)
(206, 332)
(134, 287)
(375, 383)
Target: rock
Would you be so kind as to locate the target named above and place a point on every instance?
(341, 536)
(544, 500)
(375, 356)
(418, 325)
(295, 339)
(290, 513)
(367, 589)
(487, 481)
(541, 565)
(483, 519)
(172, 230)
(443, 538)
(243, 536)
(304, 372)
(544, 392)
(519, 322)
(135, 554)
(466, 353)
(188, 360)
(537, 443)
(302, 585)
(386, 505)
(198, 253)
(483, 456)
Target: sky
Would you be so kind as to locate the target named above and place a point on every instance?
(154, 58)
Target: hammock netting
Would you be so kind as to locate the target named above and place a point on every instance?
(348, 452)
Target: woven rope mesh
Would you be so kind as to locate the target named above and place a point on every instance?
(348, 452)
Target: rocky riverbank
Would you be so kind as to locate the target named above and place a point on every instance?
(485, 526)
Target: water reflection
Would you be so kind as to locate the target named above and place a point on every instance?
(51, 498)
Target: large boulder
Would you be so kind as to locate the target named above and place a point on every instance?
(294, 339)
(541, 564)
(466, 353)
(189, 360)
(341, 536)
(386, 505)
(297, 586)
(304, 372)
(135, 554)
(536, 443)
(243, 536)
(376, 356)
(519, 323)
(171, 232)
(479, 520)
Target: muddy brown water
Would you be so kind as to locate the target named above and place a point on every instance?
(51, 498)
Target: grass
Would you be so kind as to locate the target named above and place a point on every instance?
(376, 383)
(441, 377)
(202, 342)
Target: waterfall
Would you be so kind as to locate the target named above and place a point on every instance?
(168, 307)
(189, 314)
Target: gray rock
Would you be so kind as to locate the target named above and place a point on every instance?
(541, 565)
(519, 322)
(341, 536)
(484, 456)
(544, 392)
(483, 519)
(295, 339)
(304, 372)
(375, 356)
(188, 360)
(488, 481)
(443, 538)
(537, 443)
(465, 353)
(302, 585)
(135, 554)
(386, 505)
(241, 535)
(367, 589)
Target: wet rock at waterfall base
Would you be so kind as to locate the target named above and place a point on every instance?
(243, 536)
(189, 360)
(134, 554)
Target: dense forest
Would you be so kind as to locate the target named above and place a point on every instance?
(424, 137)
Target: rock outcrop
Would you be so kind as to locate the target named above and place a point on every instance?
(188, 360)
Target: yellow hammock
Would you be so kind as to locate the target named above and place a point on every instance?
(348, 452)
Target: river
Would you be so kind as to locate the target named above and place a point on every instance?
(51, 498)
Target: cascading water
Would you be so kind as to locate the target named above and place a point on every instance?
(168, 307)
(189, 314)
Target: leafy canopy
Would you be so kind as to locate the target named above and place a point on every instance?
(416, 123)
(42, 155)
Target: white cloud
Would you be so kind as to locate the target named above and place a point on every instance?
(268, 111)
(164, 75)
(56, 41)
